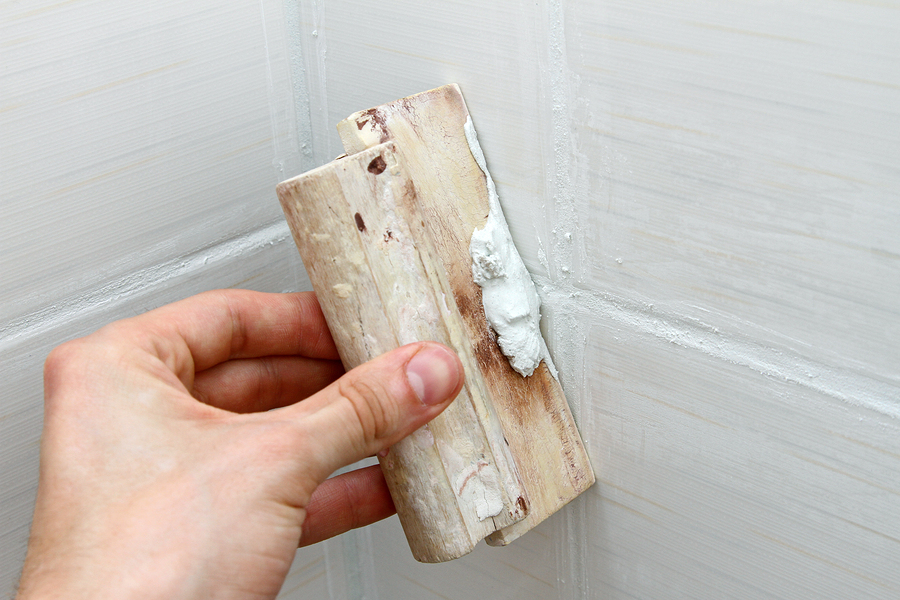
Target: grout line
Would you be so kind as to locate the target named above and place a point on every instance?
(787, 365)
(76, 306)
(689, 332)
(572, 574)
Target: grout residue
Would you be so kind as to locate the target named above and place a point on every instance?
(511, 303)
(846, 385)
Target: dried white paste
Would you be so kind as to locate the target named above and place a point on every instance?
(511, 302)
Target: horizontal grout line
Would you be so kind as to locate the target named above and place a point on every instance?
(786, 365)
(684, 331)
(77, 305)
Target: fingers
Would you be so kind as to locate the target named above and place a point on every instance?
(375, 405)
(345, 502)
(210, 328)
(260, 384)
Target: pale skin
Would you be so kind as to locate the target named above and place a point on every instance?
(186, 451)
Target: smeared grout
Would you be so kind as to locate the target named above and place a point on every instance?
(511, 303)
(689, 332)
(120, 290)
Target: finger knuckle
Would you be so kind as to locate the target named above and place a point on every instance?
(373, 409)
(65, 368)
(63, 359)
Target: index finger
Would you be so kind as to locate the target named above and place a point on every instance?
(224, 324)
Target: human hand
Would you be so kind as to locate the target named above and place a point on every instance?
(178, 462)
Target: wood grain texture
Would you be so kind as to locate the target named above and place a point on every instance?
(359, 225)
(536, 421)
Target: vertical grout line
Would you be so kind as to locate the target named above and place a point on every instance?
(298, 109)
(316, 61)
(299, 83)
(571, 554)
(335, 577)
(565, 226)
(279, 158)
(350, 566)
(350, 559)
(368, 590)
(571, 539)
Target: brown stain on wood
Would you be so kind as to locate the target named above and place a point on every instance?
(532, 410)
(377, 166)
(522, 505)
(376, 120)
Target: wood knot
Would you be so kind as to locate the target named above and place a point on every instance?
(377, 166)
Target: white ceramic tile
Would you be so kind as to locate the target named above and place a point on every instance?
(141, 143)
(706, 193)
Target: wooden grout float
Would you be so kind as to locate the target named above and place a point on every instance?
(404, 240)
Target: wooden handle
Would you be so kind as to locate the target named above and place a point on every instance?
(373, 265)
(384, 233)
(429, 129)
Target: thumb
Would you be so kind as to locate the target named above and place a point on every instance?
(377, 404)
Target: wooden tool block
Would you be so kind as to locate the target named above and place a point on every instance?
(384, 233)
